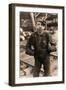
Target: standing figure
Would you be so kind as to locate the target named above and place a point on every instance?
(37, 45)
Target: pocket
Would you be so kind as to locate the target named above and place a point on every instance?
(30, 52)
(51, 48)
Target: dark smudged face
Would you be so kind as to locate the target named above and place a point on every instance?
(39, 27)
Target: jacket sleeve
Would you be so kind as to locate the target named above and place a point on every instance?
(30, 46)
(51, 45)
(49, 38)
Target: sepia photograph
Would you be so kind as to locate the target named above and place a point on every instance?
(36, 44)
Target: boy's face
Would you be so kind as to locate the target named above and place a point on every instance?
(39, 27)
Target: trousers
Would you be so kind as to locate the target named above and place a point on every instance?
(38, 63)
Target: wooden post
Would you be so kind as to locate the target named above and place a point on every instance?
(46, 21)
(33, 21)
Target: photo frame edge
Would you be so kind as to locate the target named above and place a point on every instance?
(12, 52)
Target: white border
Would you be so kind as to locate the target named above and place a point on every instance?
(17, 24)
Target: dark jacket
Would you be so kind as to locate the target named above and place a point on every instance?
(38, 44)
